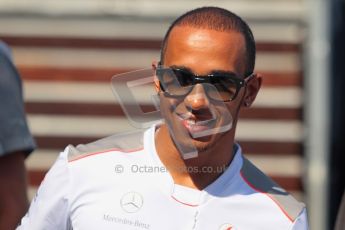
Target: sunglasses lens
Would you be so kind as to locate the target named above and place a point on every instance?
(226, 88)
(177, 82)
(185, 78)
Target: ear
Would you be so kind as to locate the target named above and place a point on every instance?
(155, 79)
(253, 87)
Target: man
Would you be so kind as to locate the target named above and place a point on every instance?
(186, 173)
(16, 143)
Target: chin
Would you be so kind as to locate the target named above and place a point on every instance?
(186, 140)
(202, 144)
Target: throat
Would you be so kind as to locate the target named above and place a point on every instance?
(198, 172)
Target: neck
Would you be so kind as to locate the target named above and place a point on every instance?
(196, 172)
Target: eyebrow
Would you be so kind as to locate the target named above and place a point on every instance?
(216, 71)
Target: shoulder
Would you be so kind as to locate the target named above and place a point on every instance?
(124, 142)
(14, 132)
(260, 183)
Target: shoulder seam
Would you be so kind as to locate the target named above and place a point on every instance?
(105, 151)
(269, 196)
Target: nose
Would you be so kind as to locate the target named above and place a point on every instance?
(197, 99)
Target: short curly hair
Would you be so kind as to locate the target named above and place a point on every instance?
(218, 19)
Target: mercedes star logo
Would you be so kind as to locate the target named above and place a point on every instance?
(131, 202)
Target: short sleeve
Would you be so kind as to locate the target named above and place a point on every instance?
(49, 209)
(14, 131)
(301, 222)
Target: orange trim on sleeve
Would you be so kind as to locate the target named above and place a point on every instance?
(106, 151)
(272, 198)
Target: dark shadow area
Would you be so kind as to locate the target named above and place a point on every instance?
(337, 158)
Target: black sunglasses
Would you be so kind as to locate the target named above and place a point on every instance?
(176, 82)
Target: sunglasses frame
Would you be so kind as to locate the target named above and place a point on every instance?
(200, 79)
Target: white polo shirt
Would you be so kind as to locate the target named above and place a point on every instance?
(120, 183)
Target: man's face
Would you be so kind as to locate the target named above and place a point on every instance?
(204, 52)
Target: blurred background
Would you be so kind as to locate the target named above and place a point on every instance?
(67, 52)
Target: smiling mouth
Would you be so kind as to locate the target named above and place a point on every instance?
(195, 126)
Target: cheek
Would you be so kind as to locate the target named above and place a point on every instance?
(168, 106)
(235, 106)
(225, 117)
(234, 110)
(223, 112)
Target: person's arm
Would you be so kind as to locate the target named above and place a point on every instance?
(16, 143)
(13, 197)
(49, 209)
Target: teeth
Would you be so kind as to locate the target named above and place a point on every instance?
(191, 122)
(185, 116)
(203, 122)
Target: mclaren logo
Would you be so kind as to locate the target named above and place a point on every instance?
(131, 202)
